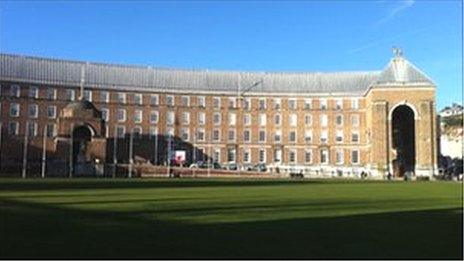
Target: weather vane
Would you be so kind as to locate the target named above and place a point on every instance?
(397, 51)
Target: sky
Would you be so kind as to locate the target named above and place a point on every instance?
(251, 36)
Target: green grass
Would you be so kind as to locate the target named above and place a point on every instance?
(85, 218)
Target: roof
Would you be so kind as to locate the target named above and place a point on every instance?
(114, 76)
(401, 71)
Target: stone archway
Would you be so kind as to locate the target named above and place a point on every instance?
(82, 137)
(403, 140)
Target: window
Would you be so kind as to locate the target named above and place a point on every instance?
(185, 134)
(339, 104)
(232, 103)
(88, 95)
(121, 115)
(121, 131)
(277, 104)
(138, 116)
(137, 132)
(324, 156)
(339, 156)
(292, 136)
(121, 97)
(217, 102)
(355, 120)
(200, 135)
(246, 104)
(277, 119)
(262, 155)
(308, 119)
(323, 104)
(51, 112)
(262, 136)
(324, 136)
(293, 120)
(277, 155)
(216, 135)
(246, 119)
(292, 104)
(154, 133)
(354, 137)
(170, 100)
(201, 101)
(230, 155)
(217, 155)
(278, 136)
(292, 155)
(14, 110)
(51, 130)
(33, 111)
(355, 156)
(262, 119)
(246, 135)
(13, 128)
(33, 92)
(308, 136)
(308, 104)
(308, 156)
(154, 117)
(138, 98)
(70, 95)
(339, 120)
(339, 136)
(246, 155)
(232, 119)
(185, 101)
(324, 120)
(170, 118)
(154, 99)
(185, 117)
(31, 129)
(231, 135)
(15, 91)
(169, 134)
(262, 104)
(105, 114)
(104, 96)
(354, 103)
(217, 118)
(201, 118)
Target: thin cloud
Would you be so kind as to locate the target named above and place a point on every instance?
(402, 5)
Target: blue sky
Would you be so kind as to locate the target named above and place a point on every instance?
(257, 36)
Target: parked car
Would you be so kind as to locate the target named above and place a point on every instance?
(205, 165)
(261, 167)
(247, 167)
(231, 166)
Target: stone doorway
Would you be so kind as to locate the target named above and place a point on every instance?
(403, 141)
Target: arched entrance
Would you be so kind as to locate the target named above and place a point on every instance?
(82, 136)
(403, 140)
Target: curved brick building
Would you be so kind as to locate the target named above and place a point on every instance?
(322, 124)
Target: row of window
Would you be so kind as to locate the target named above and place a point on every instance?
(231, 135)
(121, 97)
(33, 112)
(292, 155)
(32, 129)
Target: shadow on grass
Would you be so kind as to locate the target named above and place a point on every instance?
(46, 231)
(58, 184)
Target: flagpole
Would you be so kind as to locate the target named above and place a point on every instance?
(25, 151)
(44, 150)
(71, 145)
(131, 152)
(115, 144)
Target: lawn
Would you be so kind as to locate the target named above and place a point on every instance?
(161, 218)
